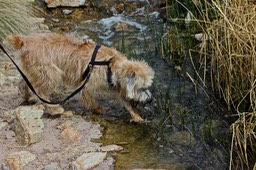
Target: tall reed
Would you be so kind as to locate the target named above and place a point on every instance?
(230, 50)
(228, 59)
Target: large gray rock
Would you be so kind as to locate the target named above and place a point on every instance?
(64, 3)
(28, 124)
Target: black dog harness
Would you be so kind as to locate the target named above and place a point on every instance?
(85, 77)
(99, 63)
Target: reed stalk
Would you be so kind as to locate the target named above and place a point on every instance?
(230, 50)
(228, 59)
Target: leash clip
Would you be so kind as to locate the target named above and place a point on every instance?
(90, 66)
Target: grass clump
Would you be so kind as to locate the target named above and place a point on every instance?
(227, 34)
(229, 49)
(14, 17)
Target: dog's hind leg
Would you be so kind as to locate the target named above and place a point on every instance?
(26, 93)
(45, 80)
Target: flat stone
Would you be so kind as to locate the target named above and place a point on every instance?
(3, 125)
(52, 166)
(67, 11)
(88, 161)
(121, 26)
(152, 169)
(111, 148)
(9, 116)
(19, 159)
(64, 3)
(67, 114)
(28, 124)
(3, 78)
(181, 138)
(70, 135)
(171, 166)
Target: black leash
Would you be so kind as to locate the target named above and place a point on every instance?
(86, 75)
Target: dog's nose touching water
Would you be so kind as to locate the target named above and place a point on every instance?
(50, 60)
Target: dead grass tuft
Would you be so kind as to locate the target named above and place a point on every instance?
(14, 17)
(230, 49)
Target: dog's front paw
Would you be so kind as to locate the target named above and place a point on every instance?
(137, 120)
(54, 109)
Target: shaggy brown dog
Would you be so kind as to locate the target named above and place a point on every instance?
(50, 60)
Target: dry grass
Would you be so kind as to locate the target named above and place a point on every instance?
(230, 51)
(228, 58)
(14, 17)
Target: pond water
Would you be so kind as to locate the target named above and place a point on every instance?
(185, 129)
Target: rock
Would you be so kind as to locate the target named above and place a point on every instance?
(88, 161)
(64, 3)
(67, 11)
(52, 166)
(67, 114)
(38, 25)
(70, 135)
(3, 125)
(107, 164)
(201, 37)
(171, 166)
(19, 159)
(5, 167)
(111, 148)
(3, 78)
(151, 169)
(8, 116)
(181, 138)
(121, 26)
(28, 125)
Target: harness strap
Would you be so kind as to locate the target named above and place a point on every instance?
(86, 75)
(100, 63)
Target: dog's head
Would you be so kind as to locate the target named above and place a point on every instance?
(135, 77)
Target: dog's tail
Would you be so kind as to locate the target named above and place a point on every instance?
(15, 40)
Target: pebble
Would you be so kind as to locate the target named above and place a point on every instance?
(3, 125)
(19, 159)
(111, 148)
(70, 135)
(52, 166)
(88, 161)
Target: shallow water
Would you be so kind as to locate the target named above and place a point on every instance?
(185, 130)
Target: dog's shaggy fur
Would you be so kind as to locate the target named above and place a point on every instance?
(50, 60)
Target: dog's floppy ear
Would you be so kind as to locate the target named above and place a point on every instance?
(15, 41)
(130, 82)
